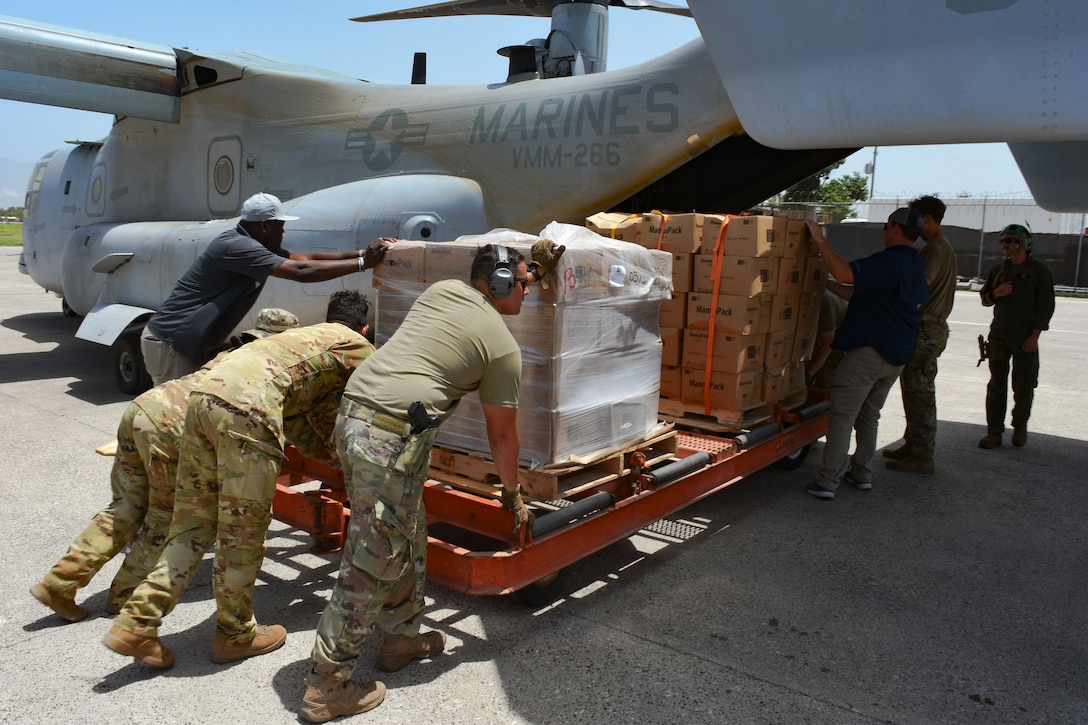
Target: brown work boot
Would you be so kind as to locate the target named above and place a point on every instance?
(231, 649)
(66, 607)
(333, 698)
(148, 650)
(900, 453)
(398, 650)
(991, 440)
(1019, 436)
(912, 465)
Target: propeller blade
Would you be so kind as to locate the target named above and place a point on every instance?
(534, 8)
(538, 8)
(661, 7)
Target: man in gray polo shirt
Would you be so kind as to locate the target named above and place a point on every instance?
(220, 288)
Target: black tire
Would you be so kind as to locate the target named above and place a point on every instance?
(794, 460)
(543, 591)
(128, 365)
(68, 311)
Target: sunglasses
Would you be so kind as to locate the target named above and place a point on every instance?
(1009, 240)
(524, 282)
(888, 224)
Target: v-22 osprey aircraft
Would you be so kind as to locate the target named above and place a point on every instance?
(111, 225)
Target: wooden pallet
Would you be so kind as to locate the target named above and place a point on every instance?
(694, 415)
(476, 473)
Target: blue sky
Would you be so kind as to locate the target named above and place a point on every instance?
(460, 50)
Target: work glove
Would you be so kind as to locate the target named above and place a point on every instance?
(546, 254)
(523, 517)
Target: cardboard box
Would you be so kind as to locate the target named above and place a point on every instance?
(682, 266)
(617, 225)
(674, 311)
(791, 276)
(675, 233)
(670, 383)
(775, 383)
(798, 242)
(740, 314)
(728, 391)
(785, 310)
(779, 349)
(742, 276)
(403, 261)
(672, 341)
(795, 379)
(755, 236)
(815, 275)
(733, 353)
(713, 225)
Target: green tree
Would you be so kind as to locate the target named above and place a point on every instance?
(833, 195)
(15, 211)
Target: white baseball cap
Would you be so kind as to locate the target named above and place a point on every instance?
(264, 208)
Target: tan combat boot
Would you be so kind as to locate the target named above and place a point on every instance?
(148, 650)
(332, 698)
(398, 650)
(1019, 436)
(231, 649)
(912, 465)
(900, 453)
(990, 440)
(66, 607)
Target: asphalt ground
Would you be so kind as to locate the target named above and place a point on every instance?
(952, 598)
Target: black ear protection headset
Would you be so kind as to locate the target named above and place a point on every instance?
(501, 282)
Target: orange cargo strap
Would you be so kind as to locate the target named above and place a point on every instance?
(627, 218)
(664, 221)
(716, 274)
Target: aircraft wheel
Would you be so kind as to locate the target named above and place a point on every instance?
(68, 311)
(543, 591)
(128, 365)
(794, 460)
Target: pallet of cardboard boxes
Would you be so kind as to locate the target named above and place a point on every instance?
(591, 353)
(759, 280)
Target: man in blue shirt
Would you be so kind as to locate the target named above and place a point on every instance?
(885, 291)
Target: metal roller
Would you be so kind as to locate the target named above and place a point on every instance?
(569, 514)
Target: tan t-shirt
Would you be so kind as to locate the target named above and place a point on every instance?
(452, 341)
(940, 262)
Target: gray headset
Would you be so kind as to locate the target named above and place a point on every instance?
(501, 282)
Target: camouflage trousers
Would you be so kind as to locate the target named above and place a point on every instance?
(227, 468)
(917, 384)
(384, 567)
(1025, 378)
(142, 484)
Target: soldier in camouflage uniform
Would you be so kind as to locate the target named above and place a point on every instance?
(229, 459)
(917, 381)
(453, 341)
(142, 481)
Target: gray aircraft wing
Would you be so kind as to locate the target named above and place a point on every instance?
(55, 66)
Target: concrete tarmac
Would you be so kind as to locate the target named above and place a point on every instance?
(952, 598)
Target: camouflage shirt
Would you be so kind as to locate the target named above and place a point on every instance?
(288, 375)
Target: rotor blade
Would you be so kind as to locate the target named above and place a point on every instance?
(657, 5)
(536, 8)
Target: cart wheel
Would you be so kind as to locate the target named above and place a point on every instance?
(66, 309)
(794, 460)
(128, 365)
(543, 591)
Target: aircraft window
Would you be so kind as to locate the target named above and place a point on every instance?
(34, 188)
(67, 187)
(224, 175)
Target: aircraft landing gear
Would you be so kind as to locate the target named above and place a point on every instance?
(68, 311)
(128, 364)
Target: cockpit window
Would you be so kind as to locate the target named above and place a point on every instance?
(34, 187)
